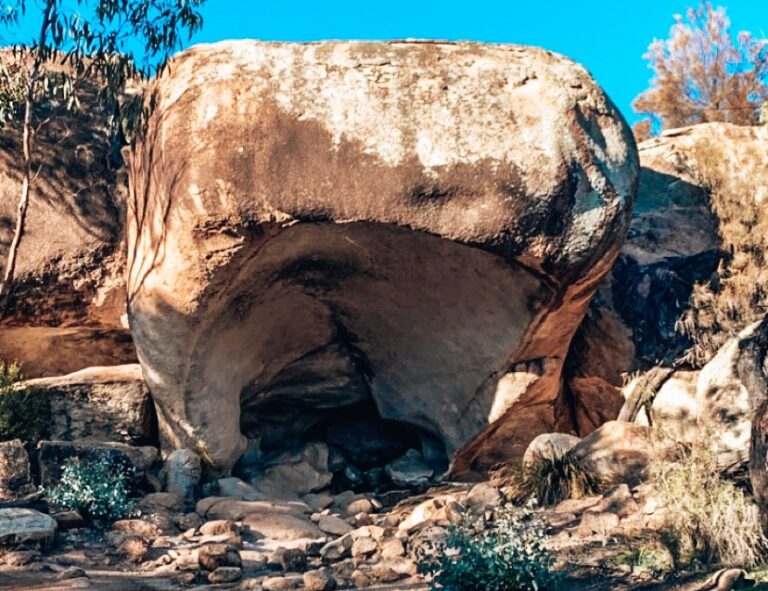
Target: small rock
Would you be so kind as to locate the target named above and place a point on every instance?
(363, 505)
(161, 502)
(225, 574)
(19, 557)
(136, 527)
(292, 559)
(228, 530)
(353, 475)
(597, 523)
(392, 548)
(15, 474)
(134, 548)
(281, 583)
(66, 520)
(384, 573)
(184, 470)
(360, 580)
(188, 521)
(483, 495)
(239, 489)
(334, 525)
(364, 547)
(212, 556)
(318, 502)
(363, 519)
(185, 579)
(319, 580)
(72, 572)
(409, 470)
(337, 549)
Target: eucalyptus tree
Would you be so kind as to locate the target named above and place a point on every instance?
(106, 43)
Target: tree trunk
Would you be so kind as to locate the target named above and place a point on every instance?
(752, 373)
(643, 393)
(26, 146)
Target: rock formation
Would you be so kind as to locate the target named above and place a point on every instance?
(686, 217)
(69, 291)
(404, 233)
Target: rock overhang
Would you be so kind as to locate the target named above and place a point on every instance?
(510, 153)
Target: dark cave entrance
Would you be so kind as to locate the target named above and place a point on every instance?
(361, 443)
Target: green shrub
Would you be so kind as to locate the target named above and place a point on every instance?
(97, 489)
(711, 520)
(506, 554)
(25, 413)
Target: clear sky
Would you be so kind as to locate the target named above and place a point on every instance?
(608, 37)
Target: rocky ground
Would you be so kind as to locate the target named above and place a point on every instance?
(323, 542)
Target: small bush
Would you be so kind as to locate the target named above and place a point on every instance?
(549, 481)
(712, 521)
(506, 554)
(24, 412)
(652, 559)
(97, 489)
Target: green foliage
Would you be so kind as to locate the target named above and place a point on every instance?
(25, 413)
(98, 489)
(652, 559)
(13, 88)
(711, 520)
(550, 480)
(505, 554)
(109, 43)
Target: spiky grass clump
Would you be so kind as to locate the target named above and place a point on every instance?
(548, 480)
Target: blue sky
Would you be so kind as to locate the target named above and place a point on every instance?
(606, 36)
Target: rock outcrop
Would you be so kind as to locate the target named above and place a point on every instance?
(70, 263)
(101, 404)
(697, 211)
(406, 232)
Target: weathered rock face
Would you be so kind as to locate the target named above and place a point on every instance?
(15, 475)
(70, 263)
(673, 244)
(108, 404)
(413, 230)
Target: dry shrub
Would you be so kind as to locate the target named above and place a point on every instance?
(548, 480)
(711, 520)
(738, 296)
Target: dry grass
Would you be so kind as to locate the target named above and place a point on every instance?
(738, 296)
(711, 521)
(548, 480)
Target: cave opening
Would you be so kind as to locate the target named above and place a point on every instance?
(365, 451)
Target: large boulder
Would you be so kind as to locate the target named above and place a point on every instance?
(410, 228)
(616, 453)
(109, 404)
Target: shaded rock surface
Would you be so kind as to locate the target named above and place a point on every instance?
(15, 474)
(70, 266)
(313, 230)
(53, 455)
(25, 525)
(108, 404)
